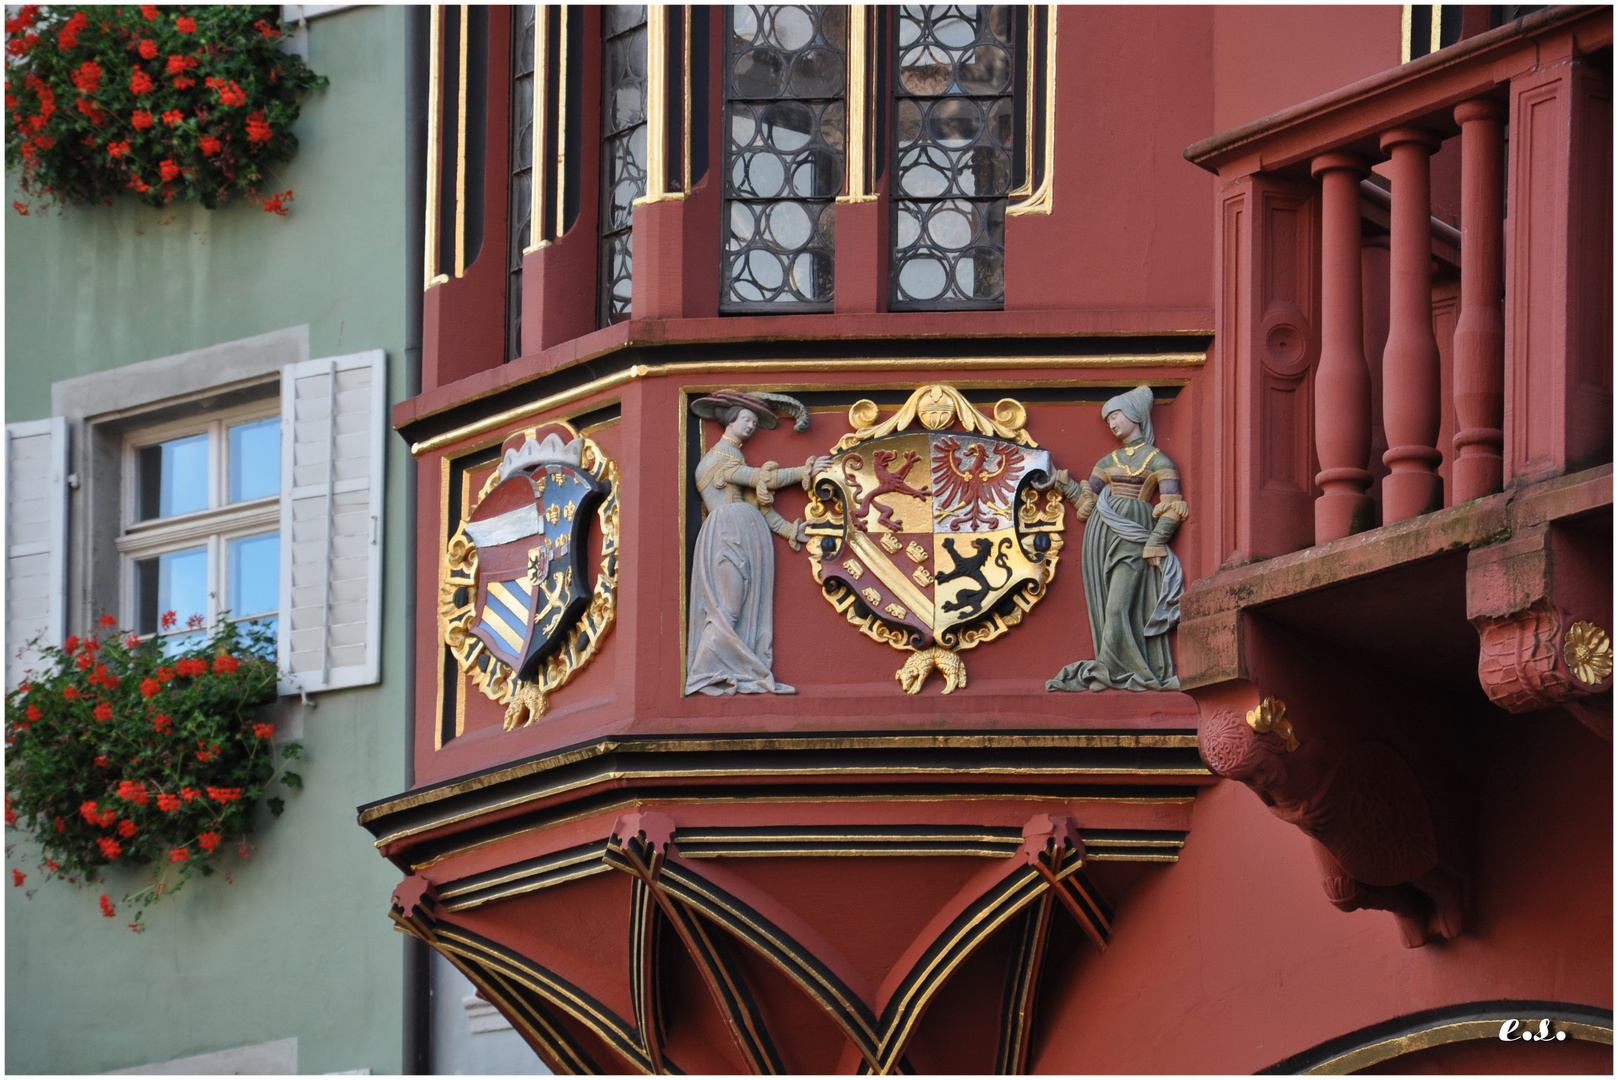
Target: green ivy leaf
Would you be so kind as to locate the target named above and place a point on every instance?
(292, 779)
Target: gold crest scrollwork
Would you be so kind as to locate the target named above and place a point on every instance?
(457, 610)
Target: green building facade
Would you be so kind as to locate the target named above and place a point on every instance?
(119, 314)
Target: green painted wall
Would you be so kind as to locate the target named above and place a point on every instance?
(299, 944)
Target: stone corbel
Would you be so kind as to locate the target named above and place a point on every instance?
(1541, 603)
(1377, 842)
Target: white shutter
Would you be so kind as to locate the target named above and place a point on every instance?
(333, 414)
(36, 539)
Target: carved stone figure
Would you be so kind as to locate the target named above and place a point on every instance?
(1132, 581)
(731, 638)
(1376, 842)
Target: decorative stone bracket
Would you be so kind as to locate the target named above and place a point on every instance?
(1542, 606)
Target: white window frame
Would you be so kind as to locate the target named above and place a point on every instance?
(212, 528)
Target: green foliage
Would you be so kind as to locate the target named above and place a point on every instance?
(175, 103)
(120, 753)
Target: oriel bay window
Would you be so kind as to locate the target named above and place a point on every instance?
(201, 535)
(785, 81)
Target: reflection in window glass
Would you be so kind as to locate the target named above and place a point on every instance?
(785, 79)
(254, 568)
(953, 142)
(176, 581)
(255, 459)
(172, 477)
(623, 150)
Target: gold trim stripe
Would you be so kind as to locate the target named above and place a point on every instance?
(645, 371)
(992, 741)
(1042, 200)
(460, 146)
(435, 119)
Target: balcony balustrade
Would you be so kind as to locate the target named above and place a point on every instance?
(1513, 388)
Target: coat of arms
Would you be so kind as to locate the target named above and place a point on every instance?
(935, 540)
(520, 613)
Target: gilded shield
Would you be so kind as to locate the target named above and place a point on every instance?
(935, 540)
(520, 612)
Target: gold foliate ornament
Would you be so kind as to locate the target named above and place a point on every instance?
(953, 540)
(1271, 715)
(1588, 652)
(515, 604)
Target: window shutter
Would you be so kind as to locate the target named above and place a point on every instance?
(332, 419)
(36, 539)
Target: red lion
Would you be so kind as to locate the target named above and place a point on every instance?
(964, 483)
(889, 482)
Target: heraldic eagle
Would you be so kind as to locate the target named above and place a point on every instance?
(965, 482)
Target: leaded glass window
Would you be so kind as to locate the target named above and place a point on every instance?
(623, 150)
(520, 203)
(785, 77)
(953, 142)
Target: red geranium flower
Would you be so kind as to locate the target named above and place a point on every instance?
(109, 847)
(126, 828)
(68, 37)
(149, 687)
(172, 117)
(167, 169)
(226, 665)
(106, 907)
(88, 77)
(209, 145)
(70, 644)
(18, 877)
(148, 49)
(141, 119)
(101, 761)
(185, 24)
(107, 620)
(277, 204)
(208, 841)
(178, 64)
(33, 713)
(103, 711)
(71, 693)
(149, 13)
(179, 854)
(258, 129)
(181, 84)
(263, 731)
(133, 790)
(168, 803)
(140, 83)
(168, 620)
(52, 865)
(162, 724)
(190, 793)
(266, 29)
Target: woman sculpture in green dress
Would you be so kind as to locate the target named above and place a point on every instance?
(1132, 581)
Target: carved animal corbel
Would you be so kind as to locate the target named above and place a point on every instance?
(1363, 806)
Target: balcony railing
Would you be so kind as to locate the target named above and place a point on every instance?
(1521, 390)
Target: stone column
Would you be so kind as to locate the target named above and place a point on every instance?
(1480, 332)
(1342, 380)
(1410, 361)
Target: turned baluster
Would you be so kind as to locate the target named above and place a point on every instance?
(1342, 380)
(1480, 332)
(1410, 381)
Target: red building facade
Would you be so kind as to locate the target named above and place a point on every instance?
(1370, 823)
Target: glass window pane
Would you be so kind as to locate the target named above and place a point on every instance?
(254, 575)
(173, 477)
(175, 581)
(255, 459)
(785, 80)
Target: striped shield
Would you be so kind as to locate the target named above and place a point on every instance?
(531, 531)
